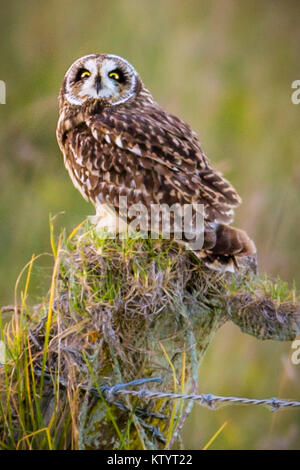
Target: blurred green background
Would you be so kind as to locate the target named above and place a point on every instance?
(226, 67)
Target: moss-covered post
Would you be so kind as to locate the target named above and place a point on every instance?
(132, 309)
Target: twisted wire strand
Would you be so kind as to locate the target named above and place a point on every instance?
(205, 399)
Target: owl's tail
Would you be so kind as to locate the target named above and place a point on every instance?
(228, 241)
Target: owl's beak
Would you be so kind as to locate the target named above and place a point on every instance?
(98, 84)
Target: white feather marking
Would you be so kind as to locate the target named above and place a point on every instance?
(136, 150)
(79, 160)
(75, 181)
(73, 100)
(95, 134)
(119, 142)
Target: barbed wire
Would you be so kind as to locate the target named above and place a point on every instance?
(204, 399)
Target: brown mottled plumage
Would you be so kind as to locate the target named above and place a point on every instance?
(117, 141)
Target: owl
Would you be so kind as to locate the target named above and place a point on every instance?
(117, 142)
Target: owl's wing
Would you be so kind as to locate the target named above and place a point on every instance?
(166, 149)
(149, 157)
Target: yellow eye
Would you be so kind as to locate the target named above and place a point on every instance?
(85, 74)
(114, 75)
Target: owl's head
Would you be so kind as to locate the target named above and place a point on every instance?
(104, 77)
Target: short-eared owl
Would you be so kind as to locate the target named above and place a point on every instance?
(117, 141)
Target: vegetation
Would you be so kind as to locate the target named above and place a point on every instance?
(117, 311)
(224, 66)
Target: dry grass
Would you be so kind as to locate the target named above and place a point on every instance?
(119, 310)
